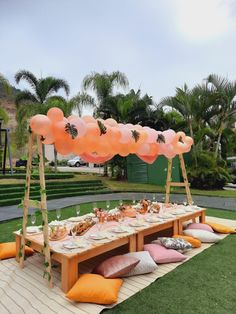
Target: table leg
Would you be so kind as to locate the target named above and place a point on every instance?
(202, 218)
(175, 227)
(132, 243)
(140, 241)
(17, 247)
(69, 273)
(180, 223)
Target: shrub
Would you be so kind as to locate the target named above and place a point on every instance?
(210, 173)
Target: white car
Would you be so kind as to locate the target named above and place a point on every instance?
(76, 162)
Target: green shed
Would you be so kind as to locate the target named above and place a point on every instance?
(141, 172)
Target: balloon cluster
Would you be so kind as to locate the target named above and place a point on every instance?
(98, 140)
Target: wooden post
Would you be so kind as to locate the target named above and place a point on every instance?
(186, 184)
(21, 252)
(47, 273)
(169, 182)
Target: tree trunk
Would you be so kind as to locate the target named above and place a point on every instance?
(194, 147)
(55, 158)
(105, 173)
(219, 139)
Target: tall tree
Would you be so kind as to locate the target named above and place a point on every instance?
(225, 104)
(7, 89)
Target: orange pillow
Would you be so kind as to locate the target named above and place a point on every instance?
(195, 242)
(92, 288)
(221, 228)
(8, 250)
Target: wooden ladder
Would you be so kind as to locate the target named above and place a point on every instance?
(41, 205)
(170, 183)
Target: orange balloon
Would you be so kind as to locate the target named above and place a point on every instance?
(55, 114)
(64, 147)
(40, 124)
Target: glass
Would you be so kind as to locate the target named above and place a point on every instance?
(144, 196)
(120, 202)
(107, 205)
(73, 231)
(133, 200)
(120, 219)
(58, 213)
(33, 218)
(153, 197)
(77, 210)
(99, 224)
(138, 216)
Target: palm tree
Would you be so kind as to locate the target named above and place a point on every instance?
(225, 104)
(103, 86)
(8, 91)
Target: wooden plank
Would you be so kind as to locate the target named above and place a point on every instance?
(177, 183)
(184, 174)
(46, 247)
(168, 180)
(21, 249)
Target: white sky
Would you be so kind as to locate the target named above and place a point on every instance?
(158, 44)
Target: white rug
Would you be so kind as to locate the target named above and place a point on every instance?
(25, 290)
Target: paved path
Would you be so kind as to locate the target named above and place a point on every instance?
(10, 212)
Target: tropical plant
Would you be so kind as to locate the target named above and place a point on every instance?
(6, 87)
(225, 104)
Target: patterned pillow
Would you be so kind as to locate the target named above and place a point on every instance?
(145, 266)
(173, 243)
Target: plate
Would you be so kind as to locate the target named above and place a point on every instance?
(33, 229)
(120, 230)
(166, 216)
(178, 212)
(153, 220)
(98, 236)
(137, 224)
(74, 244)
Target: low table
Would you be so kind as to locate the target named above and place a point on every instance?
(69, 261)
(141, 234)
(201, 214)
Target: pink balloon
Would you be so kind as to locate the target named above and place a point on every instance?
(88, 119)
(48, 139)
(40, 124)
(151, 135)
(169, 136)
(126, 135)
(111, 122)
(80, 126)
(147, 159)
(143, 149)
(168, 151)
(55, 114)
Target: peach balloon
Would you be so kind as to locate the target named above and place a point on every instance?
(40, 124)
(111, 122)
(169, 136)
(147, 159)
(63, 147)
(144, 149)
(49, 139)
(55, 114)
(88, 119)
(80, 126)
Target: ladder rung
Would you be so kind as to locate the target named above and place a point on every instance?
(177, 183)
(33, 203)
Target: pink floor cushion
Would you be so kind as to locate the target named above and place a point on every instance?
(200, 226)
(116, 266)
(161, 255)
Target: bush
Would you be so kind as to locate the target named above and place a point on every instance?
(209, 172)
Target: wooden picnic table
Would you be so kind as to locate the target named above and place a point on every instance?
(135, 241)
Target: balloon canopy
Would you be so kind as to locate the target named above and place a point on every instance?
(98, 140)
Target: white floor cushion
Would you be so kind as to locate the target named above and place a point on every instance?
(146, 264)
(202, 235)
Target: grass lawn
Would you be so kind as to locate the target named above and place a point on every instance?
(205, 284)
(124, 186)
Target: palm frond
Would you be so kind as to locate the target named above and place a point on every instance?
(6, 85)
(27, 76)
(3, 115)
(25, 97)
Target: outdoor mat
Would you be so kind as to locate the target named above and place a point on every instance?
(25, 290)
